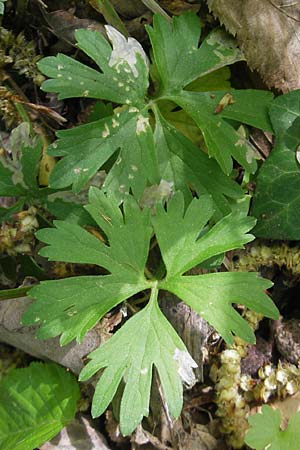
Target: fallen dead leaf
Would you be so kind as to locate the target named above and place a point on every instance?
(268, 32)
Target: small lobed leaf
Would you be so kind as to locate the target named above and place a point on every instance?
(35, 404)
(265, 431)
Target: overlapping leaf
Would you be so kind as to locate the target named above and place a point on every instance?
(35, 404)
(177, 56)
(222, 140)
(186, 165)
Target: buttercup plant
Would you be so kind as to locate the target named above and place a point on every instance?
(202, 220)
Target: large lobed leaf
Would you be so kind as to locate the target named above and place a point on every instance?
(35, 404)
(70, 307)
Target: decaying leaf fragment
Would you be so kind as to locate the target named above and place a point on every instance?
(268, 32)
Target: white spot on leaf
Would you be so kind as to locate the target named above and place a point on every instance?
(59, 75)
(106, 131)
(144, 371)
(124, 50)
(85, 93)
(185, 366)
(115, 123)
(133, 109)
(142, 124)
(134, 168)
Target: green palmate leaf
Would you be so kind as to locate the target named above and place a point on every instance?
(177, 56)
(277, 200)
(69, 314)
(35, 404)
(222, 140)
(70, 307)
(210, 295)
(120, 81)
(87, 147)
(265, 431)
(146, 340)
(186, 165)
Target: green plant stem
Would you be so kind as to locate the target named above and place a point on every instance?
(155, 8)
(14, 293)
(109, 13)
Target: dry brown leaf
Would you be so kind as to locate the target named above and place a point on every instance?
(64, 24)
(268, 32)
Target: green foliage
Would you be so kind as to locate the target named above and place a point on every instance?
(35, 404)
(265, 431)
(177, 56)
(2, 6)
(160, 188)
(277, 200)
(127, 135)
(70, 307)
